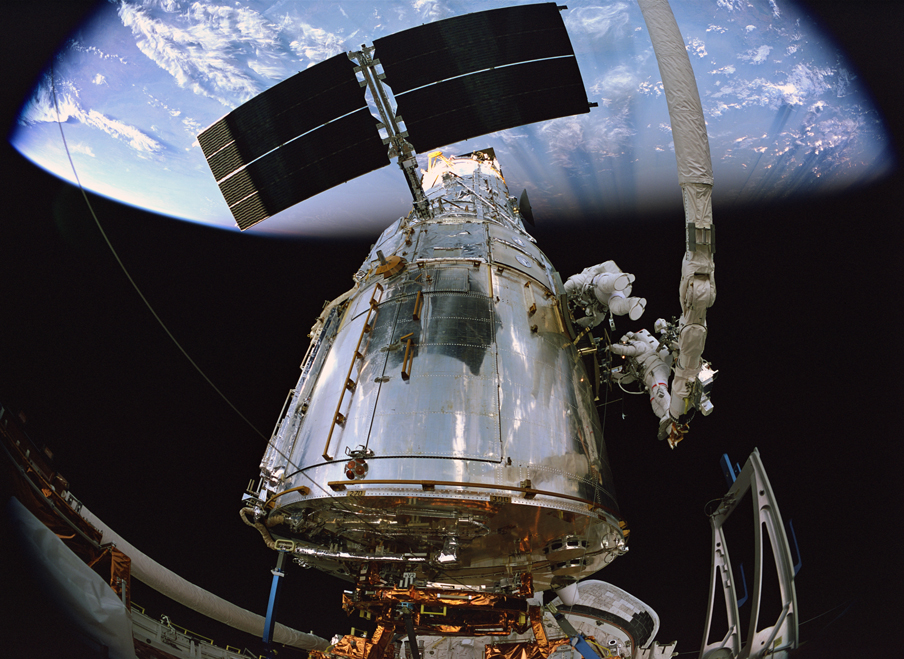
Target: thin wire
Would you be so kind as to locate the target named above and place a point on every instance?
(849, 604)
(123, 267)
(337, 500)
(828, 624)
(270, 441)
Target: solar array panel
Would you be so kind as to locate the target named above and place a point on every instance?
(473, 42)
(453, 80)
(283, 112)
(334, 153)
(496, 99)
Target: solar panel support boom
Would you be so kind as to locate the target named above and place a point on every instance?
(398, 146)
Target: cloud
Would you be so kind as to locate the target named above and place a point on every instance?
(843, 82)
(314, 43)
(568, 141)
(597, 21)
(41, 108)
(224, 52)
(804, 83)
(267, 68)
(618, 83)
(192, 126)
(648, 88)
(432, 10)
(194, 49)
(696, 46)
(730, 5)
(76, 45)
(757, 56)
(724, 71)
(78, 147)
(833, 133)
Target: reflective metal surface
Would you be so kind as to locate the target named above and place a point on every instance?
(452, 376)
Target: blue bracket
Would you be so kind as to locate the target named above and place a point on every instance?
(797, 560)
(581, 645)
(270, 621)
(578, 642)
(729, 470)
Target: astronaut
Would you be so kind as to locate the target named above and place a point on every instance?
(601, 289)
(652, 362)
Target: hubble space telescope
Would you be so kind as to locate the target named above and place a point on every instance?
(441, 450)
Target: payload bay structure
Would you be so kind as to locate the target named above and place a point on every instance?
(441, 449)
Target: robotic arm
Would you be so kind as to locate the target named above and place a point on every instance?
(697, 291)
(604, 289)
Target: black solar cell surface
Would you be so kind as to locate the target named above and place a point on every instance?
(335, 153)
(465, 44)
(283, 112)
(493, 100)
(492, 71)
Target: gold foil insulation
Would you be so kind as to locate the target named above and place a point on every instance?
(443, 612)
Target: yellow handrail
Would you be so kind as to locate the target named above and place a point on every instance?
(349, 384)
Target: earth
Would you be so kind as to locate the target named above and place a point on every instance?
(136, 83)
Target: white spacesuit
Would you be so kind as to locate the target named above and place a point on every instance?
(604, 288)
(653, 361)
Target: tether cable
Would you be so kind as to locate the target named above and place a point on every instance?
(126, 272)
(270, 441)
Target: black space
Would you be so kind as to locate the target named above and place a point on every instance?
(806, 333)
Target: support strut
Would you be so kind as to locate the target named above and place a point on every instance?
(270, 621)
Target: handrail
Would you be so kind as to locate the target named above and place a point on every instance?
(349, 384)
(409, 357)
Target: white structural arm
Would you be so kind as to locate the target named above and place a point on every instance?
(697, 289)
(194, 597)
(765, 636)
